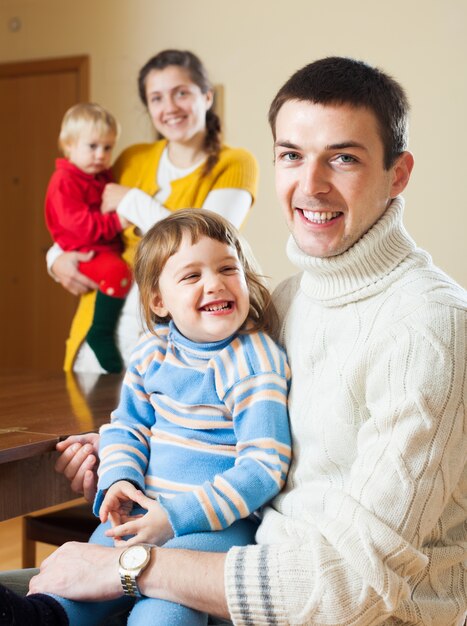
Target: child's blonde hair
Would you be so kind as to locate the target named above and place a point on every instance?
(164, 239)
(85, 115)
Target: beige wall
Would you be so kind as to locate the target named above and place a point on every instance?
(251, 47)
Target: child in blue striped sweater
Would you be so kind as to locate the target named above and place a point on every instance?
(200, 440)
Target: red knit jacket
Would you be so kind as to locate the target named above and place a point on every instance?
(72, 210)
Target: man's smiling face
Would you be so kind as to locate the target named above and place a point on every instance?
(330, 175)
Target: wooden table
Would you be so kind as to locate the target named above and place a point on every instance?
(36, 411)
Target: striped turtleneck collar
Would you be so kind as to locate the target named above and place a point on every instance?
(368, 267)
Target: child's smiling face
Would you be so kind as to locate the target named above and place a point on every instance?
(202, 287)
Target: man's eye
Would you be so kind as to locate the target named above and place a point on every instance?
(347, 158)
(289, 156)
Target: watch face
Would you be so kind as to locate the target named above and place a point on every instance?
(134, 557)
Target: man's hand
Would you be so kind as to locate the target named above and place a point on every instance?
(89, 572)
(80, 571)
(112, 196)
(65, 269)
(153, 527)
(78, 461)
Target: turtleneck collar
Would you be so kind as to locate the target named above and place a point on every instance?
(201, 350)
(374, 261)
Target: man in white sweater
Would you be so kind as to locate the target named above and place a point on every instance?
(371, 527)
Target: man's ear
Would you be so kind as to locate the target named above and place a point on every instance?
(157, 306)
(402, 169)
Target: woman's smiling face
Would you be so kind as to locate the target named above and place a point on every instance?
(176, 104)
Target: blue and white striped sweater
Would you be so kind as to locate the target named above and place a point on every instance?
(202, 427)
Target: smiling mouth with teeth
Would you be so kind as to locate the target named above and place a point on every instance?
(174, 120)
(320, 217)
(220, 306)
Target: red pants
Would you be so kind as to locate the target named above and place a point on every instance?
(110, 271)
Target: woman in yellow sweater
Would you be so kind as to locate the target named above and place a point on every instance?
(188, 167)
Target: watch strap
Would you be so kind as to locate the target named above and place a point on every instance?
(130, 586)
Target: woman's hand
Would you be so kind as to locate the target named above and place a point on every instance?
(65, 269)
(112, 196)
(78, 462)
(153, 527)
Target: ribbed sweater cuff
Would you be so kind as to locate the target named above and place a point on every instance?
(265, 584)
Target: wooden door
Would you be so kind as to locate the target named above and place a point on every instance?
(35, 312)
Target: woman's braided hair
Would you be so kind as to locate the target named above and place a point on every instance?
(197, 72)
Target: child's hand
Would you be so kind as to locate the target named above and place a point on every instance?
(118, 502)
(153, 527)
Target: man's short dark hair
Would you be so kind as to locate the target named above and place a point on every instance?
(340, 80)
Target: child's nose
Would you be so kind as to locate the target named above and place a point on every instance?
(214, 283)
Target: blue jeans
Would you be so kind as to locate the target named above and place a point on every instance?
(150, 611)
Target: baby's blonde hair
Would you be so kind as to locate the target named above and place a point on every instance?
(164, 239)
(85, 115)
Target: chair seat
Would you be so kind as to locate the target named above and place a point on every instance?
(75, 523)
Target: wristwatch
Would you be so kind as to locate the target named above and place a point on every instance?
(132, 562)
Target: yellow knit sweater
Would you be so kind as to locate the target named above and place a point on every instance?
(137, 167)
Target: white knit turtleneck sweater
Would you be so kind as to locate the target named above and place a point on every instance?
(371, 527)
